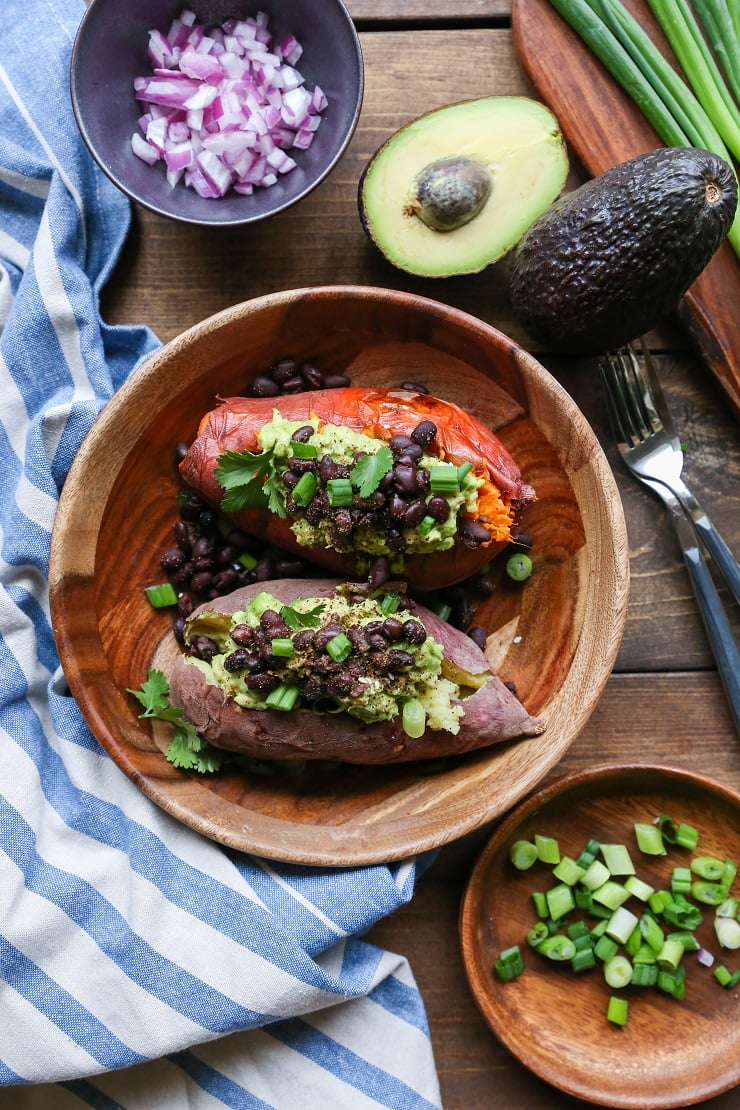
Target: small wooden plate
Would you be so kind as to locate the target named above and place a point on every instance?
(669, 1053)
(556, 638)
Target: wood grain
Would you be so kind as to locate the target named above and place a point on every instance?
(603, 127)
(562, 628)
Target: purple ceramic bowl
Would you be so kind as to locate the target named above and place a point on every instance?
(110, 50)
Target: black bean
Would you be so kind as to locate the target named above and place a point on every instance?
(203, 647)
(191, 507)
(225, 580)
(185, 605)
(340, 684)
(303, 434)
(182, 576)
(201, 581)
(414, 631)
(414, 387)
(399, 443)
(301, 466)
(462, 614)
(207, 520)
(522, 539)
(397, 506)
(262, 386)
(261, 683)
(295, 384)
(240, 540)
(202, 548)
(263, 571)
(313, 378)
(283, 369)
(398, 659)
(380, 570)
(395, 540)
(478, 635)
(289, 568)
(342, 522)
(439, 508)
(423, 479)
(303, 639)
(415, 513)
(404, 478)
(236, 660)
(172, 559)
(270, 618)
(473, 534)
(327, 468)
(328, 632)
(424, 433)
(336, 381)
(184, 536)
(181, 450)
(484, 584)
(290, 479)
(392, 628)
(312, 687)
(242, 634)
(178, 628)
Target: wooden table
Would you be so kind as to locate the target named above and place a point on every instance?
(664, 701)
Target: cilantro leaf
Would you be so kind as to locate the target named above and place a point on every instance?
(294, 618)
(187, 749)
(190, 752)
(154, 696)
(369, 471)
(251, 481)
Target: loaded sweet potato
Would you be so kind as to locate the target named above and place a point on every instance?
(321, 669)
(358, 479)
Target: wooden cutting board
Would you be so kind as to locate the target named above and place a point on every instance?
(602, 127)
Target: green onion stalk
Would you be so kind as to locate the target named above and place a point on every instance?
(665, 100)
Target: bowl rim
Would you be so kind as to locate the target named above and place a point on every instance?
(590, 667)
(78, 109)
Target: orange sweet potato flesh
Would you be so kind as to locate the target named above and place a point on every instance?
(381, 414)
(492, 714)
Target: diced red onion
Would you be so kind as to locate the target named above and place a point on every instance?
(705, 958)
(224, 105)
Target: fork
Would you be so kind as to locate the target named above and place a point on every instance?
(651, 451)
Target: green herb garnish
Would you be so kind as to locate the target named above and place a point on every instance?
(369, 471)
(250, 481)
(294, 618)
(186, 750)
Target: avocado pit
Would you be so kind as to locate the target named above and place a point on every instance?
(450, 192)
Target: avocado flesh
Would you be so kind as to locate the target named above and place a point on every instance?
(516, 143)
(607, 262)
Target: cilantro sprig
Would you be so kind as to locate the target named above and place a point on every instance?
(251, 481)
(294, 618)
(187, 749)
(369, 471)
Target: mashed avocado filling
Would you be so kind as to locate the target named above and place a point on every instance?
(366, 655)
(366, 523)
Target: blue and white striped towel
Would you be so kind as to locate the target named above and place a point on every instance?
(141, 965)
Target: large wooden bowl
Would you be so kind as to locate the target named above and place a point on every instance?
(556, 638)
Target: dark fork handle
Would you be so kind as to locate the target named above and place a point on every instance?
(712, 612)
(727, 565)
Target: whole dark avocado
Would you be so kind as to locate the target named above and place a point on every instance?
(608, 261)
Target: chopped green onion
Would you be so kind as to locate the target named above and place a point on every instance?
(644, 974)
(540, 904)
(523, 853)
(390, 604)
(722, 975)
(547, 848)
(596, 875)
(617, 1010)
(583, 959)
(304, 450)
(413, 718)
(443, 479)
(617, 859)
(339, 492)
(425, 525)
(652, 932)
(558, 948)
(618, 971)
(649, 840)
(568, 871)
(727, 930)
(588, 853)
(537, 934)
(283, 697)
(709, 868)
(519, 566)
(161, 596)
(670, 954)
(509, 964)
(620, 924)
(463, 470)
(687, 837)
(709, 894)
(644, 955)
(606, 948)
(304, 491)
(659, 899)
(584, 898)
(672, 980)
(687, 939)
(339, 647)
(443, 609)
(683, 915)
(282, 647)
(681, 880)
(638, 888)
(611, 894)
(578, 929)
(560, 900)
(247, 561)
(728, 908)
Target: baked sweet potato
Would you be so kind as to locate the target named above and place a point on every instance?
(406, 512)
(457, 702)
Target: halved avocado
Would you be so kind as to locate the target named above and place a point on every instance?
(455, 189)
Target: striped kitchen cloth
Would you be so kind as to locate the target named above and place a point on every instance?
(141, 965)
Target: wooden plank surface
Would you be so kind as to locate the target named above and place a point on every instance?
(664, 701)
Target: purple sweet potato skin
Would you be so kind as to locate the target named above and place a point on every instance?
(492, 714)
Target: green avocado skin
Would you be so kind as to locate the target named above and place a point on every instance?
(608, 261)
